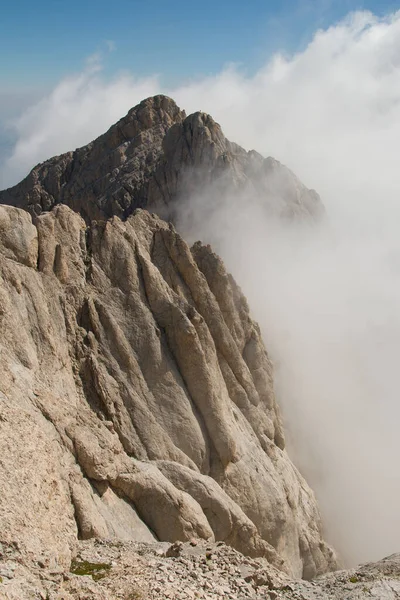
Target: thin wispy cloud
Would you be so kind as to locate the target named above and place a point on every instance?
(111, 45)
(80, 108)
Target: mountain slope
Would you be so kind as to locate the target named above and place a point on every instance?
(137, 397)
(152, 158)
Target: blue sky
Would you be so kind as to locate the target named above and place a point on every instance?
(42, 41)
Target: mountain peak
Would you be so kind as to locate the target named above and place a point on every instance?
(152, 157)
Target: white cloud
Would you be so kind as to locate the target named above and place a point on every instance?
(328, 301)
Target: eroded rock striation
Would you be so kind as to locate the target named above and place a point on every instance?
(136, 396)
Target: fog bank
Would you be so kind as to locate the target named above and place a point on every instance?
(327, 299)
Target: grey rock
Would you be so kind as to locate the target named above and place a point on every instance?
(112, 570)
(157, 158)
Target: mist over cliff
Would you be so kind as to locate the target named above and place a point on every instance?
(327, 295)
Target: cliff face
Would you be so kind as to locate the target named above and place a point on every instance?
(136, 393)
(154, 158)
(137, 397)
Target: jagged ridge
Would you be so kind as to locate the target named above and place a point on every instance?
(152, 158)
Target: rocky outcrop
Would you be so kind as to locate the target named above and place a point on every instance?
(137, 398)
(157, 158)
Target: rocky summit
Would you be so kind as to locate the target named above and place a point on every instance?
(142, 453)
(156, 158)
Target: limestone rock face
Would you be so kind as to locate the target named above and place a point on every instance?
(136, 397)
(157, 158)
